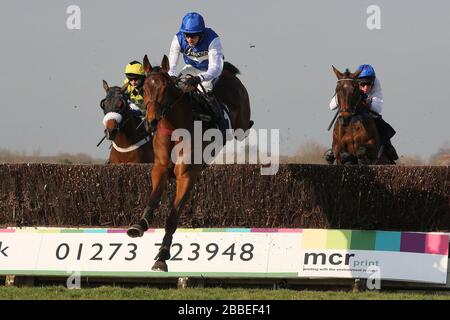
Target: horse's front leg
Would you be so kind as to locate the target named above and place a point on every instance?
(337, 145)
(185, 178)
(337, 153)
(367, 153)
(159, 179)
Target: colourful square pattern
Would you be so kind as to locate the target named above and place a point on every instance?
(412, 242)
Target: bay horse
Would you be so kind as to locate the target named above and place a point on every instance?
(355, 137)
(172, 108)
(130, 144)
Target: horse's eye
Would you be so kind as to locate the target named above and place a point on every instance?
(102, 104)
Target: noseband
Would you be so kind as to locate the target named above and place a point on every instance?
(118, 96)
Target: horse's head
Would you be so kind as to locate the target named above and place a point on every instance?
(115, 108)
(347, 92)
(158, 90)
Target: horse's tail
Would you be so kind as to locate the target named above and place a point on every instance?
(230, 68)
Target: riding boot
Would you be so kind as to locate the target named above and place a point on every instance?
(329, 156)
(218, 114)
(390, 151)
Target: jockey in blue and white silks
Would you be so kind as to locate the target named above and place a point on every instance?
(201, 50)
(370, 86)
(203, 55)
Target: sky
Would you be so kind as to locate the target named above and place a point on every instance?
(50, 76)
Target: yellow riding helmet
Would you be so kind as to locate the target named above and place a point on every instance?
(135, 69)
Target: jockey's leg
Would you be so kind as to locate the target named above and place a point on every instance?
(390, 151)
(216, 107)
(386, 133)
(214, 103)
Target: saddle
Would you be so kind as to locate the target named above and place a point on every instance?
(206, 108)
(201, 108)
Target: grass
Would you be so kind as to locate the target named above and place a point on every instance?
(143, 293)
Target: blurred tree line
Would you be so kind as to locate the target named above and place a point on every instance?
(310, 152)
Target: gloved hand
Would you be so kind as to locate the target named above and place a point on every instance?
(193, 81)
(188, 84)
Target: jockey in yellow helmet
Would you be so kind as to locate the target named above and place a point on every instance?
(135, 76)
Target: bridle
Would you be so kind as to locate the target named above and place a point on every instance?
(165, 106)
(351, 111)
(118, 96)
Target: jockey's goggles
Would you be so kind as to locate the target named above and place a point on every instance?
(136, 78)
(366, 83)
(192, 35)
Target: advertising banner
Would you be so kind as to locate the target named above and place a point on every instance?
(270, 253)
(408, 256)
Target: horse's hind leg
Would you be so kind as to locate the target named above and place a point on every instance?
(367, 153)
(238, 103)
(346, 158)
(186, 176)
(159, 178)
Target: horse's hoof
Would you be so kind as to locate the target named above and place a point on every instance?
(135, 231)
(160, 266)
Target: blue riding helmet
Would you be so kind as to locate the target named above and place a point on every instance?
(367, 71)
(192, 23)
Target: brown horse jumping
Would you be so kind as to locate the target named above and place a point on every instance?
(128, 144)
(355, 137)
(171, 107)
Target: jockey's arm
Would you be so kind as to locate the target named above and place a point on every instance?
(376, 97)
(215, 63)
(377, 105)
(174, 55)
(333, 103)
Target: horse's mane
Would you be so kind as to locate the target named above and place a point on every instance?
(347, 73)
(230, 68)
